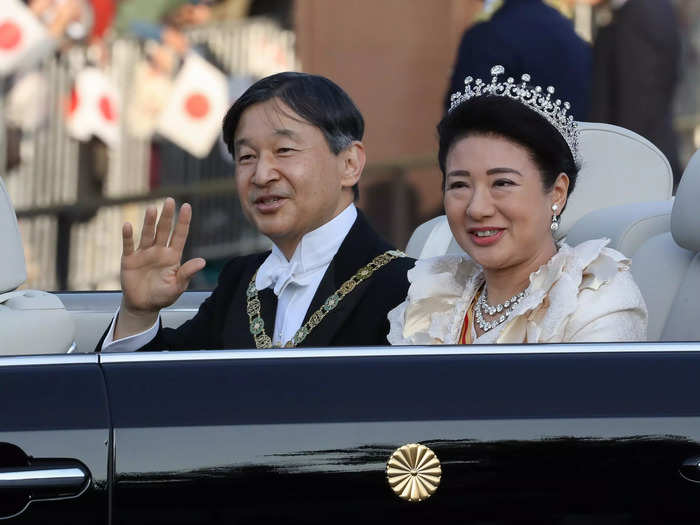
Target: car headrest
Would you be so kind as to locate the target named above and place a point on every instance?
(628, 226)
(12, 269)
(685, 217)
(618, 167)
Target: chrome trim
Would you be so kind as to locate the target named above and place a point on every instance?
(73, 347)
(388, 351)
(58, 359)
(36, 475)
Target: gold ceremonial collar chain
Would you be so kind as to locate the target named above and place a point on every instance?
(257, 325)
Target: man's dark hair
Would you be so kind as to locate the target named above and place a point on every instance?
(504, 117)
(315, 99)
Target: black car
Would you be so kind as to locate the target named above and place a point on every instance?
(560, 434)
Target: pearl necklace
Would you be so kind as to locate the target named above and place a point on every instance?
(505, 309)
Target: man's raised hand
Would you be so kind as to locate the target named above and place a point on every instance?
(152, 275)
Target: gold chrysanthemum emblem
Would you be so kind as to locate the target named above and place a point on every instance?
(413, 472)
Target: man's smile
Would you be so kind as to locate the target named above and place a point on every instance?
(269, 203)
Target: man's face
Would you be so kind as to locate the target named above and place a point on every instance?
(288, 180)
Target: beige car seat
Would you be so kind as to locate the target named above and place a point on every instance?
(667, 267)
(31, 321)
(620, 168)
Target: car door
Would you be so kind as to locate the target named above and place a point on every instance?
(54, 440)
(560, 434)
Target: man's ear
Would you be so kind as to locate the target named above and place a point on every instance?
(560, 190)
(353, 158)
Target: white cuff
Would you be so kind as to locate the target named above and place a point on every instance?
(131, 343)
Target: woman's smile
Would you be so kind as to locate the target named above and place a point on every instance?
(486, 236)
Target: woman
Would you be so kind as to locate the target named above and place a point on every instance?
(508, 153)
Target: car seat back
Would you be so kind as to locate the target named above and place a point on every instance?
(667, 267)
(31, 321)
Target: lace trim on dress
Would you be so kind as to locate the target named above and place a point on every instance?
(443, 287)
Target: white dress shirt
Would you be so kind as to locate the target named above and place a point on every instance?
(293, 281)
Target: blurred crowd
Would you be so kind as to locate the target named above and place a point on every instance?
(162, 95)
(627, 78)
(70, 22)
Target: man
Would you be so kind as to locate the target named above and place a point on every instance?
(526, 36)
(329, 279)
(636, 61)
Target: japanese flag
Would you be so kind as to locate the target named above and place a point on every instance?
(93, 108)
(20, 35)
(197, 105)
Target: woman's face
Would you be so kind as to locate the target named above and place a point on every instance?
(496, 205)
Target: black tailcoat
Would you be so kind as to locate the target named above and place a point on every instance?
(358, 320)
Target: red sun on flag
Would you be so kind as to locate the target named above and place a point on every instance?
(107, 109)
(72, 102)
(197, 105)
(10, 35)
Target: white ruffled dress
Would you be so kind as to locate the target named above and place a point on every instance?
(583, 294)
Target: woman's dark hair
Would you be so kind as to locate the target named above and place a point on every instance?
(315, 99)
(508, 118)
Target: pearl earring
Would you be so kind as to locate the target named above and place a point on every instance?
(555, 218)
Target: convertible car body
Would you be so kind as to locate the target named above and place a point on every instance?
(605, 433)
(560, 434)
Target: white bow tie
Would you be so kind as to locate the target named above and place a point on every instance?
(280, 274)
(284, 275)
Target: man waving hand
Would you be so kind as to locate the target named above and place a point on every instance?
(329, 279)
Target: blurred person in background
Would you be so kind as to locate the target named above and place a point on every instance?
(526, 36)
(144, 19)
(194, 14)
(62, 18)
(636, 69)
(23, 88)
(163, 21)
(65, 21)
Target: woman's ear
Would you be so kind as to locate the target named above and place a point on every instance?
(354, 159)
(560, 191)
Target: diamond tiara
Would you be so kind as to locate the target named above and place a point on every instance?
(535, 98)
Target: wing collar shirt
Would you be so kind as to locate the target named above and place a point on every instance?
(293, 281)
(296, 280)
